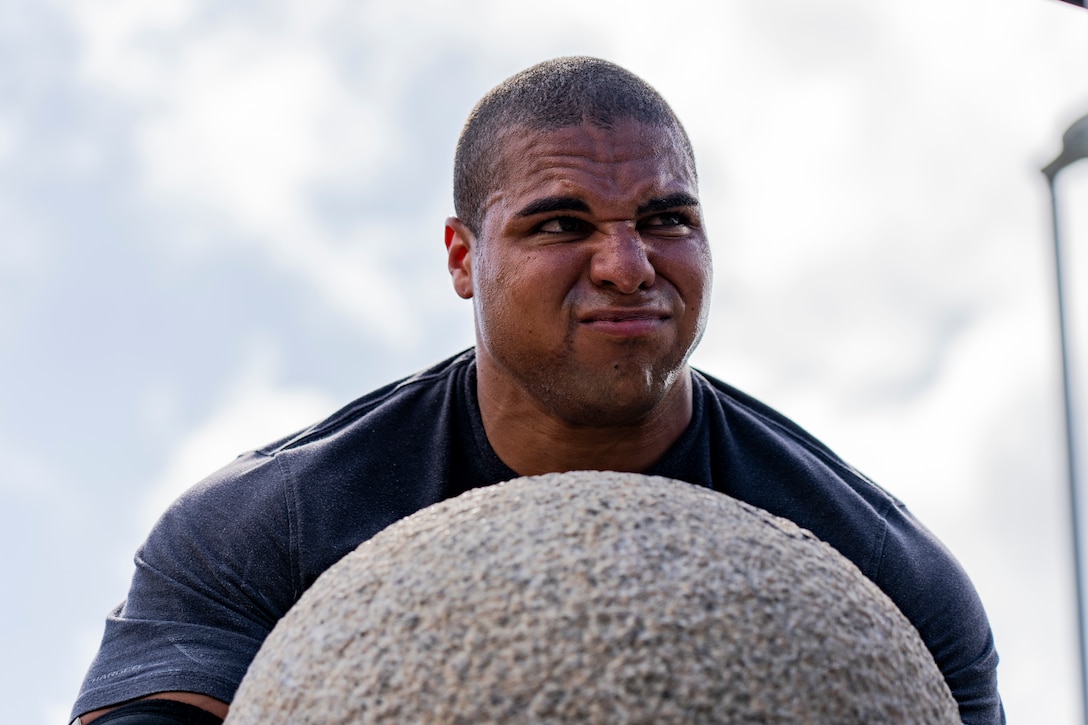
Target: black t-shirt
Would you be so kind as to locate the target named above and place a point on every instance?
(235, 552)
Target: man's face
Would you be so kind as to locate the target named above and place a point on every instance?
(591, 273)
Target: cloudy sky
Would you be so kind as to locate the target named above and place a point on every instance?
(221, 221)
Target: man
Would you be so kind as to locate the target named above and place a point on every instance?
(580, 241)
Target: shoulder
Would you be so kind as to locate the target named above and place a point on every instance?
(363, 435)
(386, 403)
(331, 478)
(275, 494)
(748, 409)
(763, 438)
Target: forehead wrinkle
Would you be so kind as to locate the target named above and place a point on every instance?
(522, 145)
(593, 144)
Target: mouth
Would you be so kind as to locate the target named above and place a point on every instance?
(625, 323)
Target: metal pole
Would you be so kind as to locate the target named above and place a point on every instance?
(1070, 448)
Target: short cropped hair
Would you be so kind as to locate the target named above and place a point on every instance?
(552, 95)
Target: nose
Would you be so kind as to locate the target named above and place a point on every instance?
(621, 262)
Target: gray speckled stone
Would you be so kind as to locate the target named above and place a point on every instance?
(593, 597)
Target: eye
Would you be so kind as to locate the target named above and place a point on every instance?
(672, 223)
(563, 225)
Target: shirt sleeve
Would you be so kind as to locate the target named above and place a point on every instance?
(933, 591)
(214, 576)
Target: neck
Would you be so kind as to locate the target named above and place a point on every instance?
(533, 441)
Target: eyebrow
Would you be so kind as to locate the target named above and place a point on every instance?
(665, 203)
(573, 203)
(554, 203)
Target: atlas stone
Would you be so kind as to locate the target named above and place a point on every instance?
(593, 597)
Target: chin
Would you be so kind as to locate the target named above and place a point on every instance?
(604, 405)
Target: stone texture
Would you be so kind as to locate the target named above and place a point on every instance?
(593, 597)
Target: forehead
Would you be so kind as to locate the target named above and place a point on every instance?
(630, 162)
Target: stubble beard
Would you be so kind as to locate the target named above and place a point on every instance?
(623, 394)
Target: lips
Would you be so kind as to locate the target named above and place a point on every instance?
(625, 322)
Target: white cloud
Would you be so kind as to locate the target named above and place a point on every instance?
(250, 124)
(118, 38)
(249, 130)
(240, 125)
(7, 138)
(30, 478)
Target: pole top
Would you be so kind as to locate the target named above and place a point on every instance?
(1074, 148)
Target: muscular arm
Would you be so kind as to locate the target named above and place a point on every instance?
(215, 707)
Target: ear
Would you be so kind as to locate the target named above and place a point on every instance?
(460, 242)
